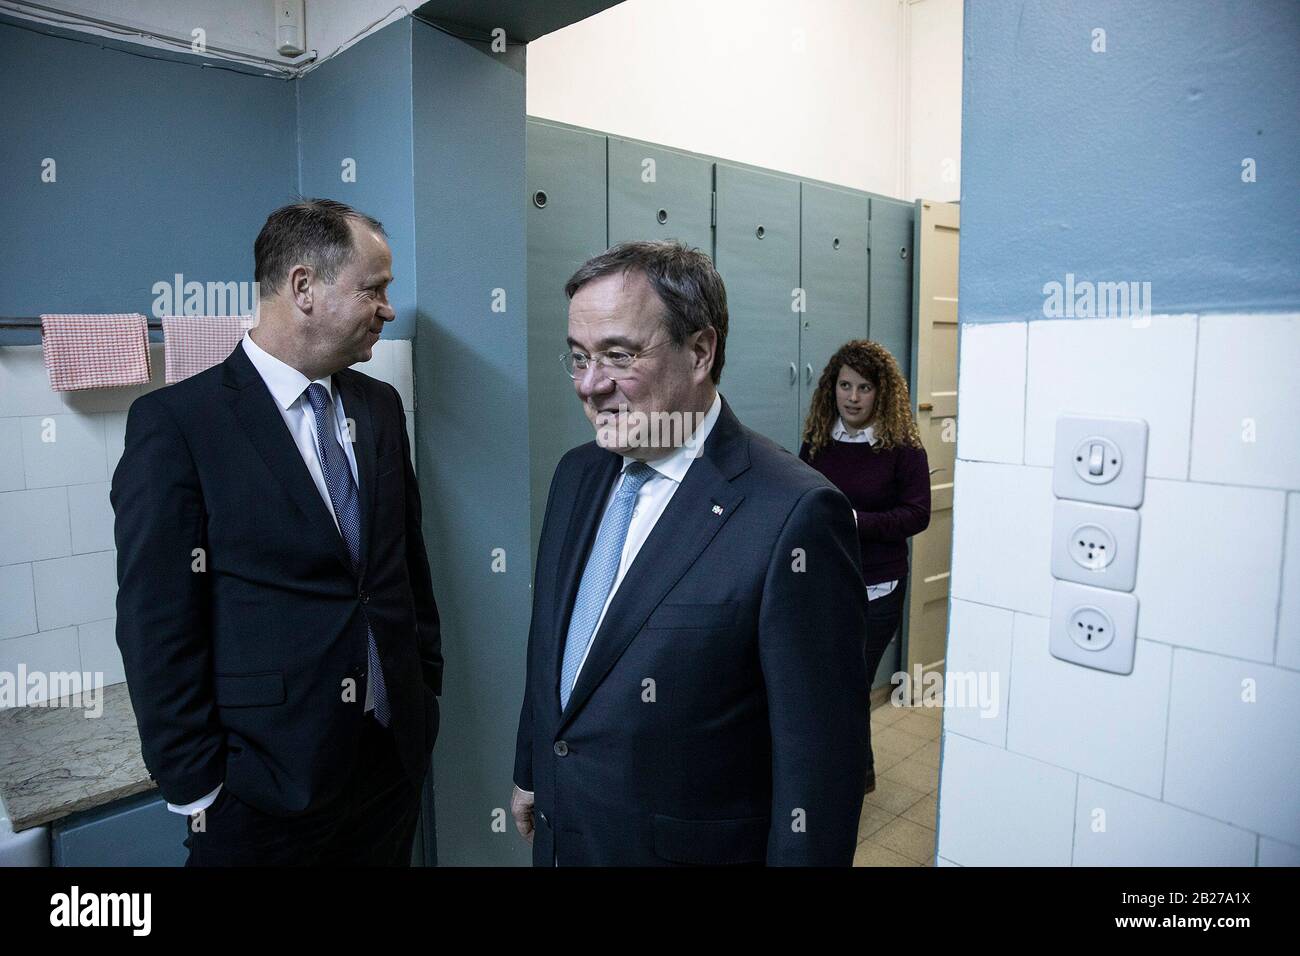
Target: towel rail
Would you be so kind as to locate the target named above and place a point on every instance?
(34, 322)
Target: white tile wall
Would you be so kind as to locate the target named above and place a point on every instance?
(75, 590)
(25, 386)
(1234, 743)
(1288, 625)
(1190, 773)
(980, 643)
(114, 438)
(11, 455)
(1002, 534)
(48, 651)
(1113, 367)
(1208, 564)
(17, 601)
(1246, 429)
(91, 516)
(99, 650)
(58, 574)
(991, 391)
(1108, 726)
(63, 450)
(35, 525)
(1002, 809)
(1114, 827)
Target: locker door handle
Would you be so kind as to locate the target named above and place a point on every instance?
(807, 374)
(925, 407)
(794, 373)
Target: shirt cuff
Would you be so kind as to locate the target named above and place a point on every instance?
(202, 803)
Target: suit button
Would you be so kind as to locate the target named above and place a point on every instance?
(365, 597)
(561, 748)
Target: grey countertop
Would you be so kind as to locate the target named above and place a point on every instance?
(55, 761)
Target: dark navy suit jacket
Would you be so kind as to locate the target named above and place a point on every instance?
(720, 716)
(236, 663)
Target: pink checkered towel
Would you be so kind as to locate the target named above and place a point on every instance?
(193, 343)
(95, 351)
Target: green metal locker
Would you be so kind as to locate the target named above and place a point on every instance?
(758, 258)
(566, 226)
(891, 277)
(657, 193)
(835, 271)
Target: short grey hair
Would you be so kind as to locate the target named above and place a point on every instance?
(683, 278)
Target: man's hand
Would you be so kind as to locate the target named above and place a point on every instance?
(521, 808)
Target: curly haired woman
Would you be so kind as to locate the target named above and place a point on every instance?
(861, 435)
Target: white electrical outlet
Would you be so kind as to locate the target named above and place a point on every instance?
(1095, 544)
(1094, 627)
(1102, 460)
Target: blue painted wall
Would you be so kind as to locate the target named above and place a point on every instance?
(471, 379)
(358, 106)
(162, 167)
(1126, 165)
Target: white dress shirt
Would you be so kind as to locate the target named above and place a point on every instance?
(651, 500)
(288, 387)
(840, 433)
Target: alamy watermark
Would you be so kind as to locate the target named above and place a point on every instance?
(179, 297)
(954, 689)
(650, 430)
(1096, 300)
(68, 689)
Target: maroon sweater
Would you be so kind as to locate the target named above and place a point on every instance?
(889, 490)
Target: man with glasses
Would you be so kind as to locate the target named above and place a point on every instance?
(696, 683)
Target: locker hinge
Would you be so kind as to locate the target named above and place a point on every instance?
(868, 235)
(713, 209)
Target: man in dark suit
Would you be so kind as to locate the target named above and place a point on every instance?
(696, 683)
(275, 610)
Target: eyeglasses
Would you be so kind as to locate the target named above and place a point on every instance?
(612, 361)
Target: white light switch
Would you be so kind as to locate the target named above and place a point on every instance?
(1102, 460)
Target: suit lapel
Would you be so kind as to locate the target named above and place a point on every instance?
(256, 410)
(698, 510)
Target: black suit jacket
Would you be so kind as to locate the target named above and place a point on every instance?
(239, 617)
(720, 716)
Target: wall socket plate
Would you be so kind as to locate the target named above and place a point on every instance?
(1102, 460)
(1093, 627)
(1095, 544)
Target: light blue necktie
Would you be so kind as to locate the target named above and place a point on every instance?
(343, 495)
(598, 577)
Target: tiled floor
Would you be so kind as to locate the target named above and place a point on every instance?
(898, 818)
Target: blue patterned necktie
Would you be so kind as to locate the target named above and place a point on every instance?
(598, 577)
(343, 495)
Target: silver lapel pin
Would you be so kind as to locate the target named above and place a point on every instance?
(717, 509)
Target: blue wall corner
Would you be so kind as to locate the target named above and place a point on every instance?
(1126, 165)
(356, 107)
(160, 168)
